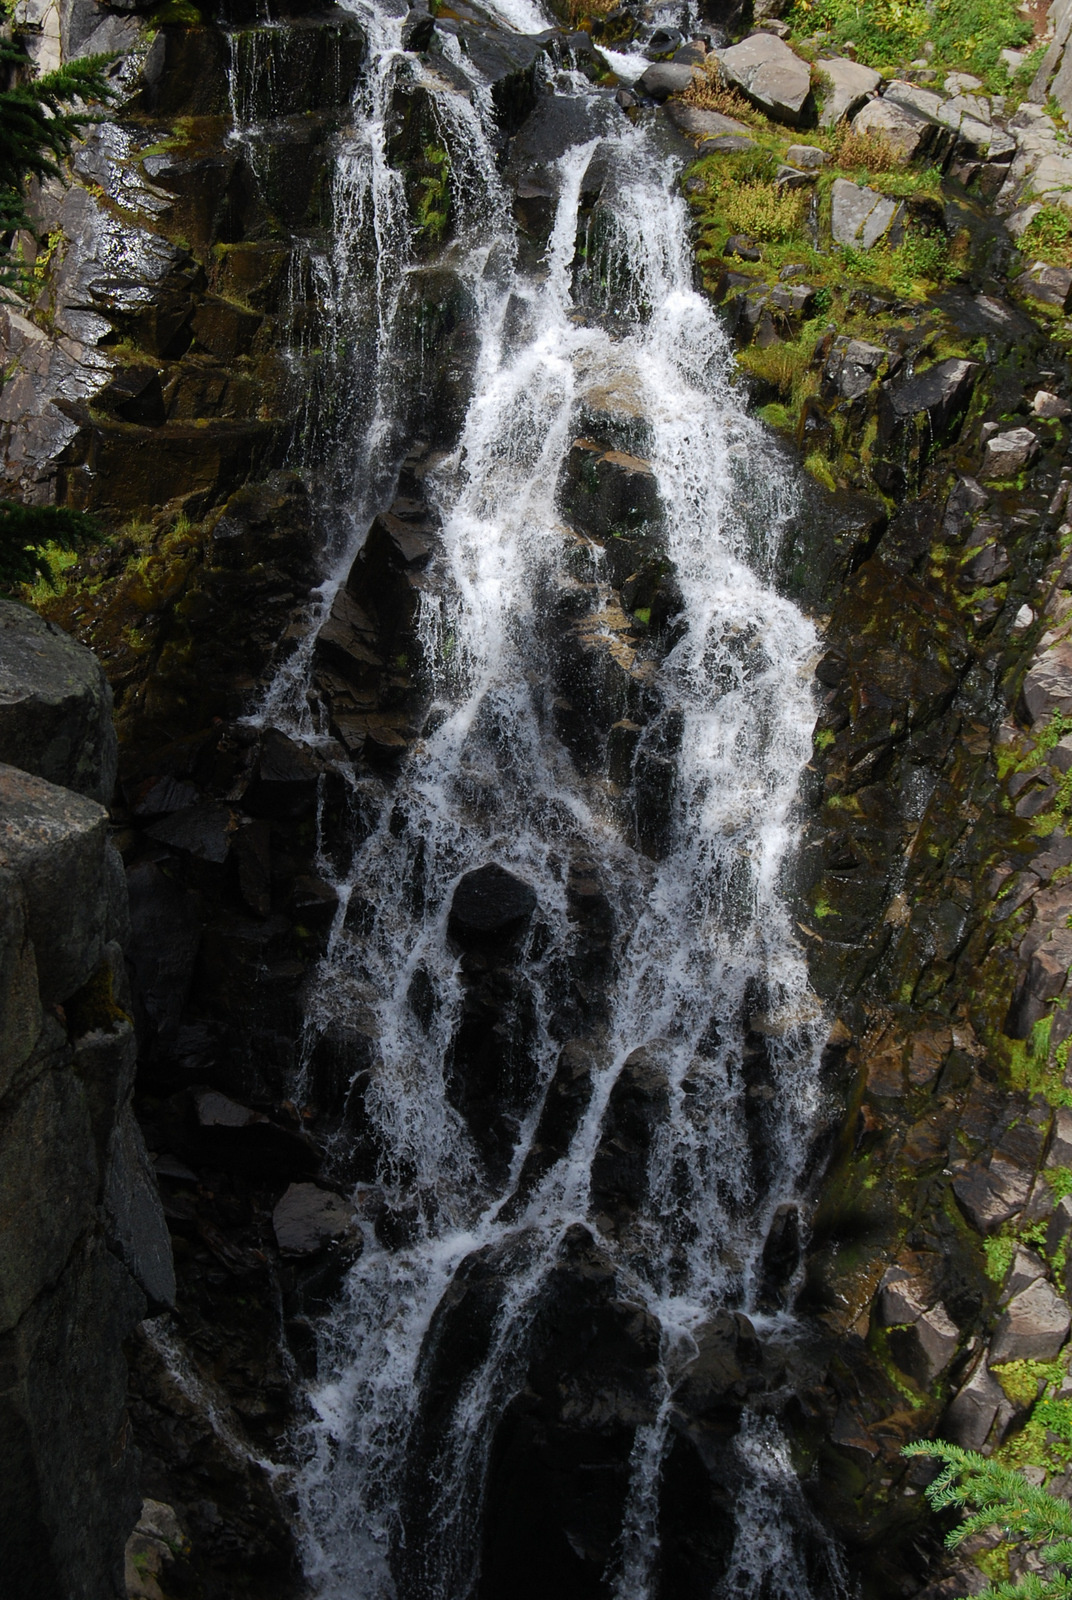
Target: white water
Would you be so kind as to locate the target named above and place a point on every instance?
(703, 939)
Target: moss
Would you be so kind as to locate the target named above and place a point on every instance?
(94, 1008)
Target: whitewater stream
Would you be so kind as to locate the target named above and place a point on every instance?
(703, 960)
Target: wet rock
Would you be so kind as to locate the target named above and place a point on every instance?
(1033, 1328)
(852, 367)
(307, 1219)
(781, 1257)
(847, 85)
(638, 1103)
(559, 1465)
(55, 706)
(773, 78)
(567, 1098)
(1008, 453)
(860, 216)
(917, 414)
(490, 905)
(663, 79)
(608, 492)
(491, 1071)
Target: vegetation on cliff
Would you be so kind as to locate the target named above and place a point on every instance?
(993, 1498)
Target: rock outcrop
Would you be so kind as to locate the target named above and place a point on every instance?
(84, 1249)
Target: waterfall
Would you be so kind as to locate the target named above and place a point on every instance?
(703, 974)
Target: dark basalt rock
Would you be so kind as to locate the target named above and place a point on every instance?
(55, 706)
(490, 905)
(638, 1103)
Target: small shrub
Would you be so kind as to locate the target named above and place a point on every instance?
(867, 150)
(711, 93)
(762, 211)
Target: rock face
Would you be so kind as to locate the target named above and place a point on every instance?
(860, 216)
(55, 706)
(84, 1250)
(846, 85)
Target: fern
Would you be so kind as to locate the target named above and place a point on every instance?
(989, 1495)
(26, 531)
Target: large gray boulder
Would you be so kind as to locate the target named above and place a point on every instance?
(907, 132)
(860, 216)
(773, 78)
(55, 846)
(55, 705)
(845, 86)
(1034, 1327)
(307, 1218)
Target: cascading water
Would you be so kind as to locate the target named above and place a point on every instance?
(702, 961)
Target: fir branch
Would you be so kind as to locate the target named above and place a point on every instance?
(991, 1496)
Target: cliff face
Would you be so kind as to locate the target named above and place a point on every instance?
(162, 379)
(84, 1249)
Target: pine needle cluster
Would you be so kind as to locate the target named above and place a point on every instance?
(40, 118)
(990, 1496)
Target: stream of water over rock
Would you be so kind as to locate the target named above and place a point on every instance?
(702, 975)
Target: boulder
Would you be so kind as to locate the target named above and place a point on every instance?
(926, 1346)
(55, 845)
(308, 1218)
(972, 1412)
(1050, 406)
(703, 124)
(664, 78)
(908, 133)
(918, 414)
(1034, 1326)
(1008, 453)
(860, 216)
(1024, 1270)
(990, 1195)
(805, 157)
(901, 1299)
(55, 705)
(490, 905)
(851, 367)
(773, 78)
(845, 86)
